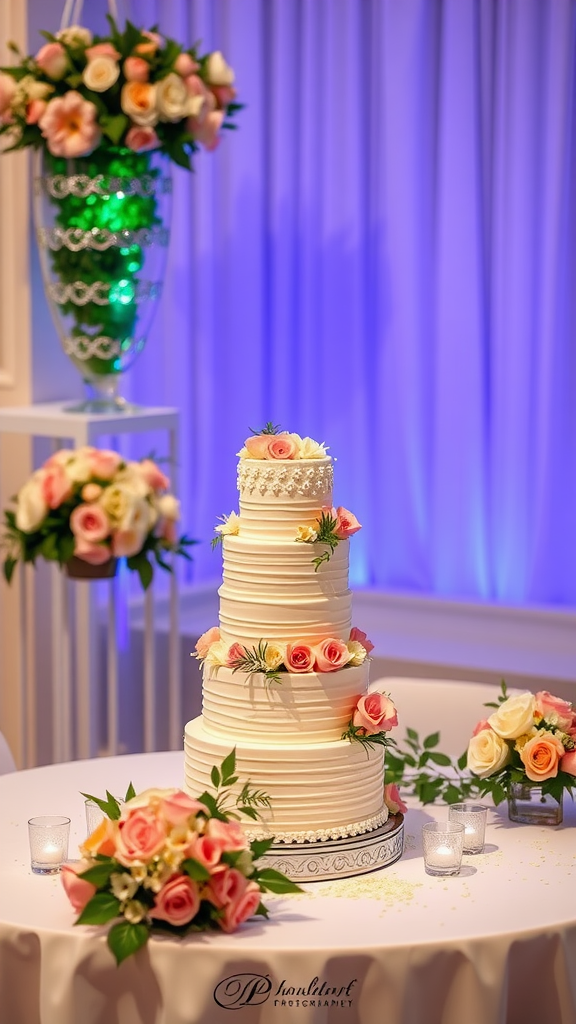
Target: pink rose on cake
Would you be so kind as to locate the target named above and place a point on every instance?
(346, 523)
(375, 712)
(359, 636)
(211, 636)
(393, 800)
(331, 655)
(300, 658)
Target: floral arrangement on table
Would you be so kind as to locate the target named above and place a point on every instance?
(166, 861)
(131, 88)
(528, 739)
(271, 658)
(93, 505)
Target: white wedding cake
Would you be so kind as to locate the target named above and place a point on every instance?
(284, 671)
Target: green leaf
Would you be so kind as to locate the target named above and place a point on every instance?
(439, 758)
(124, 939)
(8, 568)
(196, 870)
(462, 761)
(228, 766)
(274, 881)
(215, 777)
(452, 794)
(140, 564)
(99, 875)
(260, 846)
(130, 793)
(113, 127)
(432, 740)
(100, 909)
(109, 807)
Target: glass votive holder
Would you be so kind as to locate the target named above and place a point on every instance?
(94, 815)
(443, 843)
(48, 835)
(473, 817)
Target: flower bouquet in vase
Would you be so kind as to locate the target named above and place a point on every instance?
(525, 752)
(87, 507)
(107, 117)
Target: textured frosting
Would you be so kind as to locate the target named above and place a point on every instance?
(329, 787)
(302, 708)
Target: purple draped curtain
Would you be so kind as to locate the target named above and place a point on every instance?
(382, 256)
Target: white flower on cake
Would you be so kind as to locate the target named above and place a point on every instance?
(229, 526)
(274, 655)
(357, 651)
(306, 534)
(217, 653)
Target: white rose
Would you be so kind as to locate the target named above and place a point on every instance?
(116, 500)
(172, 98)
(310, 449)
(274, 656)
(133, 480)
(100, 74)
(77, 468)
(75, 35)
(217, 653)
(487, 753)
(243, 454)
(138, 101)
(169, 507)
(139, 516)
(230, 525)
(217, 71)
(514, 717)
(306, 534)
(31, 508)
(357, 652)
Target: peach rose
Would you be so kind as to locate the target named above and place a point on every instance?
(101, 73)
(375, 712)
(281, 446)
(136, 69)
(102, 50)
(89, 523)
(34, 110)
(361, 638)
(140, 139)
(257, 446)
(393, 800)
(331, 655)
(154, 476)
(138, 101)
(211, 636)
(554, 710)
(52, 60)
(568, 763)
(541, 756)
(346, 523)
(300, 658)
(140, 836)
(69, 125)
(91, 492)
(178, 807)
(185, 65)
(127, 543)
(178, 901)
(56, 487)
(229, 833)
(78, 890)
(206, 128)
(101, 840)
(236, 653)
(153, 42)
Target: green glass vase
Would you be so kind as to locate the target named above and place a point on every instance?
(103, 227)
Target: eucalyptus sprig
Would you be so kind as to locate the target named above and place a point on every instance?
(254, 660)
(324, 534)
(218, 802)
(269, 428)
(356, 733)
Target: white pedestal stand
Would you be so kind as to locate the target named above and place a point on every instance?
(74, 657)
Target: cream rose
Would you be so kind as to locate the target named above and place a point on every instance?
(75, 35)
(230, 525)
(31, 507)
(274, 655)
(514, 717)
(138, 101)
(217, 71)
(172, 98)
(310, 449)
(307, 534)
(100, 74)
(357, 652)
(217, 654)
(487, 753)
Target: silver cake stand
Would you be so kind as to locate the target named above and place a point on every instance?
(339, 858)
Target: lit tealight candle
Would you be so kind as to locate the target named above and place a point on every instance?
(51, 854)
(442, 845)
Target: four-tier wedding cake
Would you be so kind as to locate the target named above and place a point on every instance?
(285, 676)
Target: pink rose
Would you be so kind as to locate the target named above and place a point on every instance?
(102, 50)
(140, 836)
(141, 139)
(361, 638)
(184, 65)
(91, 492)
(136, 69)
(126, 543)
(178, 901)
(56, 487)
(556, 711)
(211, 636)
(78, 890)
(375, 712)
(208, 851)
(331, 655)
(178, 807)
(481, 726)
(393, 800)
(568, 763)
(89, 523)
(154, 476)
(52, 60)
(224, 94)
(346, 523)
(541, 756)
(280, 446)
(206, 128)
(35, 110)
(257, 446)
(300, 658)
(154, 41)
(229, 833)
(104, 464)
(94, 554)
(235, 653)
(69, 125)
(243, 902)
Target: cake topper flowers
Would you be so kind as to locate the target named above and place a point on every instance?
(275, 444)
(132, 88)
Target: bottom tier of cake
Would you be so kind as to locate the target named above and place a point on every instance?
(317, 790)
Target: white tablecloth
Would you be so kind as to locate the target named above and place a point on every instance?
(494, 945)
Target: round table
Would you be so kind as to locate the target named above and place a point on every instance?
(493, 945)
